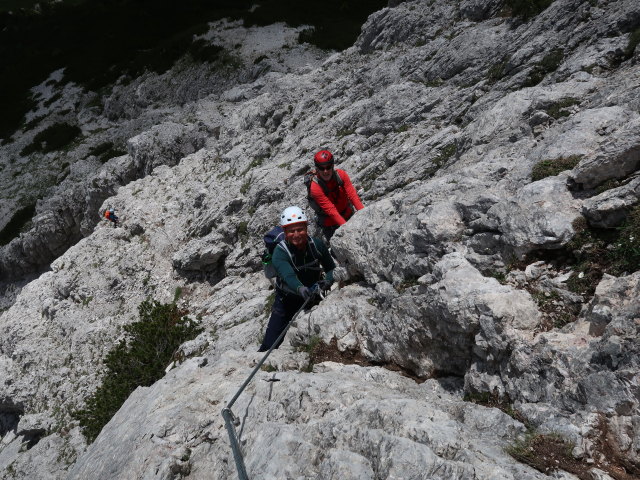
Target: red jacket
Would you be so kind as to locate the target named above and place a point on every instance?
(337, 205)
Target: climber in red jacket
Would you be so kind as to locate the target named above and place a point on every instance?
(331, 194)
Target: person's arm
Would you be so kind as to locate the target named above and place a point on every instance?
(281, 262)
(325, 204)
(352, 195)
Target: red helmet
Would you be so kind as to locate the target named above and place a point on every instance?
(322, 158)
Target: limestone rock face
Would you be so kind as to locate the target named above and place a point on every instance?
(455, 282)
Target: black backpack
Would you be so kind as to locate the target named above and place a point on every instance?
(312, 176)
(271, 240)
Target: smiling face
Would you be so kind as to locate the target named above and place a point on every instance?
(325, 171)
(296, 235)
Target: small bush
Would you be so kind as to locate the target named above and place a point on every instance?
(243, 229)
(625, 252)
(107, 150)
(598, 251)
(244, 188)
(552, 167)
(549, 63)
(496, 71)
(202, 51)
(559, 109)
(52, 138)
(17, 224)
(527, 8)
(634, 40)
(139, 360)
(268, 305)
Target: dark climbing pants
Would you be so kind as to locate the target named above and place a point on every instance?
(328, 232)
(284, 308)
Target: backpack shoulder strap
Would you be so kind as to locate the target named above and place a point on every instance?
(314, 248)
(283, 245)
(319, 182)
(338, 178)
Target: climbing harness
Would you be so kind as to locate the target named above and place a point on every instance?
(230, 420)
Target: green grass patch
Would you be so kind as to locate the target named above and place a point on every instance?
(440, 159)
(138, 360)
(549, 63)
(55, 137)
(547, 453)
(559, 109)
(407, 283)
(344, 132)
(445, 154)
(496, 71)
(498, 275)
(242, 230)
(268, 304)
(311, 349)
(256, 162)
(625, 252)
(552, 167)
(244, 188)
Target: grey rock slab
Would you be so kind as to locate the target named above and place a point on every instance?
(609, 209)
(295, 427)
(539, 216)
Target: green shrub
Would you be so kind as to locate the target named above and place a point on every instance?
(52, 138)
(634, 40)
(17, 224)
(336, 23)
(203, 51)
(599, 251)
(496, 71)
(625, 252)
(549, 63)
(268, 305)
(244, 188)
(106, 151)
(552, 167)
(527, 8)
(139, 360)
(559, 109)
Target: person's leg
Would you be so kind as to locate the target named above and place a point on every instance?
(284, 307)
(328, 233)
(292, 303)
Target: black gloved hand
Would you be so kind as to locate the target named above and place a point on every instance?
(305, 292)
(324, 285)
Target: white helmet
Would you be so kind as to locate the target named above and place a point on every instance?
(292, 215)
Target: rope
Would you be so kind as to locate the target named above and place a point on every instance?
(230, 420)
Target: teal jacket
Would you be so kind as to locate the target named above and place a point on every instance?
(292, 278)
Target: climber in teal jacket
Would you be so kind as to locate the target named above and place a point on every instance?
(299, 261)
